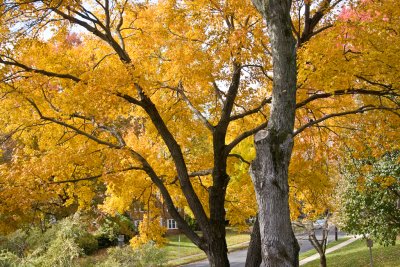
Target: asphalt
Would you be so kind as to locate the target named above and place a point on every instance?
(238, 258)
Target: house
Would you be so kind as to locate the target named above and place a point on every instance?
(138, 211)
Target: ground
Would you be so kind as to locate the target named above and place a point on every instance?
(357, 255)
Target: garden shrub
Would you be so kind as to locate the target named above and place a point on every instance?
(88, 243)
(16, 242)
(147, 255)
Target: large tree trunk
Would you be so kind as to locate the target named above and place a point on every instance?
(269, 170)
(218, 253)
(253, 258)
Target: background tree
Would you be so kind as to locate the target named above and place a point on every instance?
(274, 146)
(371, 201)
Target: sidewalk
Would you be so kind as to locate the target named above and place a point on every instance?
(329, 250)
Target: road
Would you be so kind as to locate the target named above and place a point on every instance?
(238, 258)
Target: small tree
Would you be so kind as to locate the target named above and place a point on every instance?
(371, 201)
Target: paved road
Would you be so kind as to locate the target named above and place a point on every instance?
(238, 258)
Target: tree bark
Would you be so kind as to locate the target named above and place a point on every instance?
(269, 170)
(217, 253)
(322, 260)
(253, 258)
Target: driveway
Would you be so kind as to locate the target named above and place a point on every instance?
(238, 258)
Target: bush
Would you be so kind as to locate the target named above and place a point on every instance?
(111, 227)
(119, 257)
(8, 259)
(16, 242)
(147, 255)
(150, 255)
(104, 241)
(59, 246)
(69, 228)
(61, 252)
(88, 243)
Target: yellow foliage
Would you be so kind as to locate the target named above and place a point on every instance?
(150, 229)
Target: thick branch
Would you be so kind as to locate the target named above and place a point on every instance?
(182, 224)
(200, 173)
(176, 153)
(310, 23)
(252, 111)
(231, 95)
(78, 131)
(44, 72)
(94, 177)
(244, 135)
(346, 92)
(356, 111)
(239, 157)
(193, 109)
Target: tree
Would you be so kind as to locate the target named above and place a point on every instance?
(274, 145)
(134, 96)
(117, 102)
(371, 201)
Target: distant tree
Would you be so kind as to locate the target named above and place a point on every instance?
(371, 204)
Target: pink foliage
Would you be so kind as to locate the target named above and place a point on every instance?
(73, 39)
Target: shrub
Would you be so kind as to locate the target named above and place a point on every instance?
(150, 255)
(88, 243)
(147, 255)
(15, 242)
(103, 241)
(62, 252)
(119, 257)
(9, 259)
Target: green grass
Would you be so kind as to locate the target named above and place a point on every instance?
(330, 244)
(176, 250)
(357, 255)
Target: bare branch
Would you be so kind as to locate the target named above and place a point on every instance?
(252, 111)
(244, 135)
(77, 130)
(239, 157)
(356, 111)
(201, 173)
(94, 177)
(198, 114)
(345, 92)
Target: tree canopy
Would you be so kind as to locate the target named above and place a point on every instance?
(108, 102)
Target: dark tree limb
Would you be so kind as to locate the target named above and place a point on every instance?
(43, 72)
(339, 114)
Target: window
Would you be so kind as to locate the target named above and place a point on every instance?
(171, 224)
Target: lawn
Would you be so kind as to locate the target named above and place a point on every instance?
(180, 246)
(357, 255)
(330, 244)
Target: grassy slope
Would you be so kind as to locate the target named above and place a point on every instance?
(357, 255)
(330, 244)
(185, 247)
